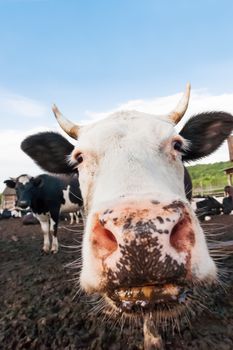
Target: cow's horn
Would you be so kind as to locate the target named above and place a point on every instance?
(70, 128)
(182, 106)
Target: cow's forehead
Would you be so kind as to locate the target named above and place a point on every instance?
(129, 125)
(23, 179)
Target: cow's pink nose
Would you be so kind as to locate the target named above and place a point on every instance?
(103, 240)
(171, 224)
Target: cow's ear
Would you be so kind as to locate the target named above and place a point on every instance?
(50, 151)
(37, 181)
(205, 133)
(10, 183)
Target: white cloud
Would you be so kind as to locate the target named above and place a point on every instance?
(200, 101)
(14, 104)
(12, 159)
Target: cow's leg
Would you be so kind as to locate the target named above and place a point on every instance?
(81, 214)
(53, 229)
(44, 224)
(76, 217)
(71, 218)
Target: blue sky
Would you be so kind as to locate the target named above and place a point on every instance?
(90, 55)
(93, 56)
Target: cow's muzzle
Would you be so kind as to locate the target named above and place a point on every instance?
(23, 204)
(145, 252)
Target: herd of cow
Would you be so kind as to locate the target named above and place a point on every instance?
(143, 248)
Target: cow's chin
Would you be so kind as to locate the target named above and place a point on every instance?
(165, 298)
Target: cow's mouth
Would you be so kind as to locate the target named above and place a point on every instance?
(149, 297)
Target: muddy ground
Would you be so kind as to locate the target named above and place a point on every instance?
(38, 309)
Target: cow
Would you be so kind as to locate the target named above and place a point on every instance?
(5, 214)
(10, 213)
(47, 196)
(208, 206)
(143, 249)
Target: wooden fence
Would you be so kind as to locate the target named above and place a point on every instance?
(208, 191)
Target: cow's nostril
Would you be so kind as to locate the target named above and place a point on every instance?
(103, 241)
(182, 236)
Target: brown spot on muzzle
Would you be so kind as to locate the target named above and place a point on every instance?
(141, 263)
(155, 202)
(175, 205)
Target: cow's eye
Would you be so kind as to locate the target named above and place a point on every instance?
(177, 145)
(79, 158)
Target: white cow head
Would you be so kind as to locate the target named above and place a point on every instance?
(143, 247)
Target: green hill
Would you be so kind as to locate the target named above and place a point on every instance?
(209, 176)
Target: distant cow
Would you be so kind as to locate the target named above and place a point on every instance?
(5, 214)
(47, 196)
(143, 249)
(208, 206)
(10, 213)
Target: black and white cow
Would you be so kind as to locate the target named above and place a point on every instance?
(47, 196)
(143, 246)
(208, 206)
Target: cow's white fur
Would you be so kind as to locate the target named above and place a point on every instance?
(131, 155)
(68, 207)
(23, 179)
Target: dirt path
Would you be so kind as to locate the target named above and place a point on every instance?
(38, 309)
